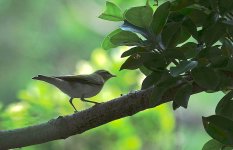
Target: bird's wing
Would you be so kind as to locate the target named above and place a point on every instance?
(84, 79)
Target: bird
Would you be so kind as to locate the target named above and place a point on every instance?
(79, 86)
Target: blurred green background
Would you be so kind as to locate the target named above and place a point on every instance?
(60, 37)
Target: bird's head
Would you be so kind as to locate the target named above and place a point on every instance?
(104, 74)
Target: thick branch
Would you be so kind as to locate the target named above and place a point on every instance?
(77, 123)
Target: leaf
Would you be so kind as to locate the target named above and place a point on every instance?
(225, 6)
(213, 33)
(225, 106)
(182, 95)
(133, 62)
(197, 16)
(139, 16)
(219, 61)
(189, 49)
(214, 145)
(229, 66)
(145, 71)
(174, 34)
(219, 128)
(183, 67)
(174, 53)
(227, 48)
(160, 17)
(190, 27)
(162, 87)
(132, 51)
(107, 44)
(112, 12)
(205, 77)
(125, 38)
(158, 62)
(151, 79)
(132, 28)
(177, 5)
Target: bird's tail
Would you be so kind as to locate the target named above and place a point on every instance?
(47, 79)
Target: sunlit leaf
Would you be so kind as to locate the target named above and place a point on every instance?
(107, 44)
(112, 12)
(125, 38)
(160, 17)
(139, 16)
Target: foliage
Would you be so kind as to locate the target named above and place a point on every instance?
(40, 102)
(183, 43)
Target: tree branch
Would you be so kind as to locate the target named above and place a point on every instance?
(66, 126)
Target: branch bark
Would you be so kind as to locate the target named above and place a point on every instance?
(66, 126)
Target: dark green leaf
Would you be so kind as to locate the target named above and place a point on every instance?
(191, 28)
(229, 66)
(214, 145)
(132, 51)
(213, 33)
(227, 48)
(197, 16)
(225, 106)
(139, 16)
(145, 70)
(182, 95)
(163, 86)
(174, 53)
(189, 49)
(225, 6)
(107, 44)
(132, 28)
(177, 5)
(112, 12)
(151, 79)
(219, 61)
(133, 62)
(183, 67)
(125, 38)
(174, 34)
(157, 63)
(225, 80)
(219, 128)
(205, 77)
(160, 17)
(210, 52)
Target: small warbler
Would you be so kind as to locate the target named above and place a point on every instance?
(79, 86)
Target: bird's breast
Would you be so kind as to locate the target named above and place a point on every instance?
(78, 90)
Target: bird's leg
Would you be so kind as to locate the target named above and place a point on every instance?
(75, 110)
(84, 100)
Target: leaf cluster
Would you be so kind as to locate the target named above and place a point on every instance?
(180, 44)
